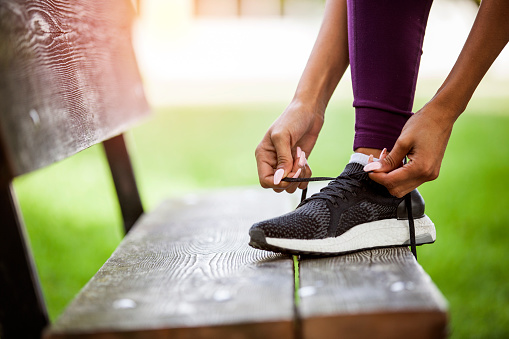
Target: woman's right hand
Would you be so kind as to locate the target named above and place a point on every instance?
(277, 155)
(299, 125)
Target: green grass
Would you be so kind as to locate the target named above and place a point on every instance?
(296, 277)
(74, 222)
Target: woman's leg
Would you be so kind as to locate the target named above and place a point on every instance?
(385, 47)
(353, 213)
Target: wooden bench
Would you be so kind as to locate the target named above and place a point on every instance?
(69, 80)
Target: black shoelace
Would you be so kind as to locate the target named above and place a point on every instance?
(336, 189)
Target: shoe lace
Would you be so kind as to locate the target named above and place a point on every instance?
(336, 189)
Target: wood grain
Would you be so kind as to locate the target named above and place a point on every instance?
(68, 79)
(346, 293)
(187, 271)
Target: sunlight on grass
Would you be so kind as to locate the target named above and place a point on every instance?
(74, 221)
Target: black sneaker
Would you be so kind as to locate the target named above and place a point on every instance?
(351, 213)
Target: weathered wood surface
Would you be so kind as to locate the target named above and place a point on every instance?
(68, 79)
(382, 291)
(186, 270)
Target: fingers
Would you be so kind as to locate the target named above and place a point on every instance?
(269, 176)
(400, 181)
(278, 156)
(300, 169)
(392, 180)
(423, 139)
(306, 173)
(388, 171)
(293, 186)
(389, 161)
(297, 167)
(404, 179)
(283, 148)
(266, 162)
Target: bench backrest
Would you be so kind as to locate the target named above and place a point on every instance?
(68, 80)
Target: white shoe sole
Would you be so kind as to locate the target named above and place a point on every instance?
(381, 233)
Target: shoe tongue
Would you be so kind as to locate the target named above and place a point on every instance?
(353, 167)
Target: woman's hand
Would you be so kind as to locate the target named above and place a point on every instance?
(283, 150)
(423, 139)
(277, 155)
(426, 134)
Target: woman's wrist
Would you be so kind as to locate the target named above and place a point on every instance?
(443, 110)
(310, 104)
(315, 94)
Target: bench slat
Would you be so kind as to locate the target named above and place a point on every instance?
(383, 291)
(188, 264)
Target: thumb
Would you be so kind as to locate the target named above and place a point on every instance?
(284, 156)
(391, 161)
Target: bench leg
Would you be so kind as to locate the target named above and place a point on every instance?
(22, 310)
(124, 180)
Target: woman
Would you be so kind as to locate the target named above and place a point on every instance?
(382, 42)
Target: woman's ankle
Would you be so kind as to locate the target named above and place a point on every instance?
(369, 151)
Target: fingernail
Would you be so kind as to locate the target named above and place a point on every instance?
(370, 160)
(383, 154)
(302, 159)
(278, 176)
(299, 151)
(296, 175)
(372, 166)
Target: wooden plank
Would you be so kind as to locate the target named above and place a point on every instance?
(68, 78)
(382, 291)
(186, 270)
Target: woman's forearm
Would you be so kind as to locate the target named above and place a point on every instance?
(488, 37)
(329, 58)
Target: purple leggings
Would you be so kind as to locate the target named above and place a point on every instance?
(385, 46)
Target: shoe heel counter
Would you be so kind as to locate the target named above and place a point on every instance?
(417, 206)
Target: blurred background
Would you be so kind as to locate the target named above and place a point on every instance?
(217, 73)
